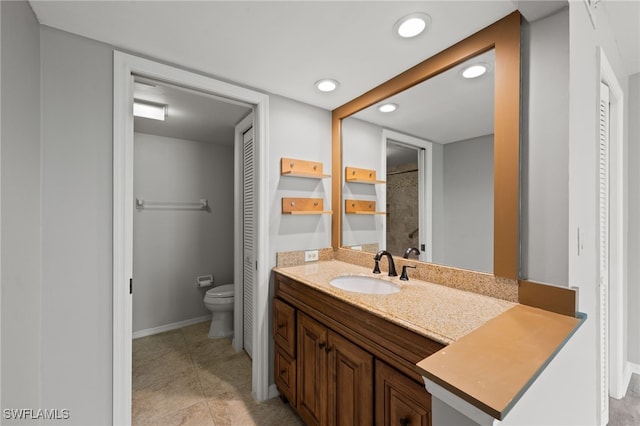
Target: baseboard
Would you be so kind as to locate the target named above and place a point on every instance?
(273, 391)
(169, 327)
(630, 368)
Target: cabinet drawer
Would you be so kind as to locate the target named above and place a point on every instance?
(284, 326)
(285, 375)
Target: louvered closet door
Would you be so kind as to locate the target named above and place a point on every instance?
(248, 220)
(603, 244)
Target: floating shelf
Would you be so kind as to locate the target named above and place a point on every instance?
(301, 168)
(303, 206)
(360, 207)
(354, 174)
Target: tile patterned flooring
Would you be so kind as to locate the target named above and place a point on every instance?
(182, 377)
(626, 411)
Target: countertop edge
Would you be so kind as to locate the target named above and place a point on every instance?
(498, 413)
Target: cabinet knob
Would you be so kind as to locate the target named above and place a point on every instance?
(281, 326)
(321, 345)
(404, 421)
(328, 349)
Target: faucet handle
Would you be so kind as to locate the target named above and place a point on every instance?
(403, 275)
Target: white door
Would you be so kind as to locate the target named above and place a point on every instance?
(603, 243)
(248, 236)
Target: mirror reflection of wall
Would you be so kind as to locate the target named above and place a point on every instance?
(447, 197)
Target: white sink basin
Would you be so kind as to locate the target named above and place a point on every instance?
(367, 285)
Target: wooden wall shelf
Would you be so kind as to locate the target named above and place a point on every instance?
(302, 206)
(354, 174)
(360, 207)
(301, 168)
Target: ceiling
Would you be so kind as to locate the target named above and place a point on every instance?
(443, 109)
(283, 47)
(191, 115)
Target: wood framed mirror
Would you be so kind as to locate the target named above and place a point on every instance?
(504, 38)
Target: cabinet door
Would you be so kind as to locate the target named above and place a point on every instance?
(399, 400)
(350, 387)
(284, 326)
(285, 374)
(312, 370)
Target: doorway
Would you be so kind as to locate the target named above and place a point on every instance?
(408, 164)
(125, 67)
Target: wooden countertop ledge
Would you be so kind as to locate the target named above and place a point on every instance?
(494, 365)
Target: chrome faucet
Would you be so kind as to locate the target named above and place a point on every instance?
(411, 250)
(392, 266)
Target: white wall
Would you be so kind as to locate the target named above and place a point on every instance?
(21, 206)
(583, 267)
(77, 290)
(172, 247)
(545, 150)
(633, 305)
(467, 204)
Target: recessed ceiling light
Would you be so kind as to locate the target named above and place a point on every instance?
(152, 110)
(326, 85)
(412, 25)
(388, 107)
(475, 70)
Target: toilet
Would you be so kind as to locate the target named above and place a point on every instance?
(219, 300)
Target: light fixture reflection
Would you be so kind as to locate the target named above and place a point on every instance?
(152, 110)
(474, 71)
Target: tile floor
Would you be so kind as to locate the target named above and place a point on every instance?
(626, 411)
(182, 377)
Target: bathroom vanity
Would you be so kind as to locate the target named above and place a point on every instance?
(343, 357)
(350, 358)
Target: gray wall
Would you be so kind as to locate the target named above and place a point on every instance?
(172, 247)
(468, 204)
(545, 150)
(21, 206)
(77, 223)
(633, 299)
(77, 289)
(299, 131)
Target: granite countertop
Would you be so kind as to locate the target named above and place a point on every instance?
(438, 312)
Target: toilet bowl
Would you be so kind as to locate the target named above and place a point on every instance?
(219, 300)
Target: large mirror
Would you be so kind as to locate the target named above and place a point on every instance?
(446, 161)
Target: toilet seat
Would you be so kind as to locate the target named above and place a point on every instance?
(220, 291)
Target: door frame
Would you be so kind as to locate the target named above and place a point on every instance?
(619, 373)
(124, 66)
(425, 192)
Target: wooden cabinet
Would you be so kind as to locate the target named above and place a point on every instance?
(350, 375)
(312, 371)
(340, 365)
(400, 400)
(335, 377)
(284, 336)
